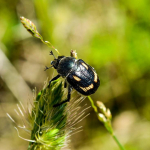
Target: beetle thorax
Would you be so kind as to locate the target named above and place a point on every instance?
(65, 66)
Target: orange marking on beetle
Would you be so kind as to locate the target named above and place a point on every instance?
(76, 78)
(95, 77)
(85, 89)
(85, 65)
(91, 86)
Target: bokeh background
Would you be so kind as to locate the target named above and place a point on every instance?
(113, 36)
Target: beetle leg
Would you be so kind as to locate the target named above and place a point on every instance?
(51, 53)
(68, 97)
(65, 84)
(46, 68)
(55, 78)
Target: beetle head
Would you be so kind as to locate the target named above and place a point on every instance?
(55, 62)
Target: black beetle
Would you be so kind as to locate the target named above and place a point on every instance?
(79, 75)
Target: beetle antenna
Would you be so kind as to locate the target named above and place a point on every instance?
(51, 53)
(46, 68)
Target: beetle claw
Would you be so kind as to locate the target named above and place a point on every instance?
(51, 53)
(46, 68)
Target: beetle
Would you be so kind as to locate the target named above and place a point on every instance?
(78, 75)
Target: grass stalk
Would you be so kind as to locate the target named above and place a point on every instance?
(105, 117)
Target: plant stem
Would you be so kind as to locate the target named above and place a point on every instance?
(92, 103)
(117, 141)
(107, 123)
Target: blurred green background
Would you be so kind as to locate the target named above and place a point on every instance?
(113, 36)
